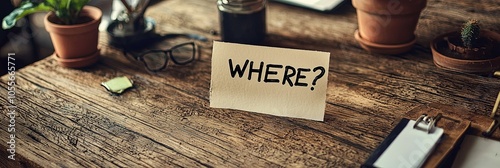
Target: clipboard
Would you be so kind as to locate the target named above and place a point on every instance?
(409, 144)
(456, 122)
(481, 151)
(454, 125)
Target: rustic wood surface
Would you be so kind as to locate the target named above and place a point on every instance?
(66, 119)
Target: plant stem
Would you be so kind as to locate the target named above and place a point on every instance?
(129, 9)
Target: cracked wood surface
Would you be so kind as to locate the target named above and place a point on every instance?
(66, 119)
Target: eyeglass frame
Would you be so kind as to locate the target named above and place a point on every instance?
(168, 54)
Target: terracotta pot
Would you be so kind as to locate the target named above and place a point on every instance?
(387, 26)
(75, 43)
(454, 61)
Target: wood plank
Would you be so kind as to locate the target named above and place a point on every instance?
(66, 119)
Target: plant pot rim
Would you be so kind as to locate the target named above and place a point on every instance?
(91, 11)
(386, 7)
(384, 48)
(78, 62)
(484, 66)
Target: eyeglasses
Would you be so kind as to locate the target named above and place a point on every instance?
(157, 60)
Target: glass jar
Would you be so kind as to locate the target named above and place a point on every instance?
(242, 21)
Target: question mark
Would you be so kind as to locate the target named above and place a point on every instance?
(318, 76)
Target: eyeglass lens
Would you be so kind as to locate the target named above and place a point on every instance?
(155, 60)
(183, 54)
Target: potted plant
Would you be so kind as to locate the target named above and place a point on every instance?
(73, 28)
(470, 50)
(387, 26)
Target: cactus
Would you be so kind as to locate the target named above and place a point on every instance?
(470, 33)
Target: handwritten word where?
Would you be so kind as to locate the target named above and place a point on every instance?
(291, 75)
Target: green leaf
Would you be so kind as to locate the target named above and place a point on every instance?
(78, 4)
(53, 3)
(75, 6)
(25, 9)
(67, 11)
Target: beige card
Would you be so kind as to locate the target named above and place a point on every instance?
(276, 81)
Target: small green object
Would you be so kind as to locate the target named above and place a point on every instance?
(118, 85)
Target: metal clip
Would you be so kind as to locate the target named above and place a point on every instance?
(430, 121)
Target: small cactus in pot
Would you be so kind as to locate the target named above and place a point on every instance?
(470, 49)
(469, 42)
(470, 33)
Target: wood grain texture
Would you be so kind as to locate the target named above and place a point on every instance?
(66, 119)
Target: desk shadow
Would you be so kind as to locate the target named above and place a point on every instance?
(305, 43)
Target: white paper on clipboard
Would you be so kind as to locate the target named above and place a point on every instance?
(478, 152)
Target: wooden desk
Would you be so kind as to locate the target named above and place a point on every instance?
(66, 119)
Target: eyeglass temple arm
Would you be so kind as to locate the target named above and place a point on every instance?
(188, 35)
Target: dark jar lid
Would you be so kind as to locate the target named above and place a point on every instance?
(241, 6)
